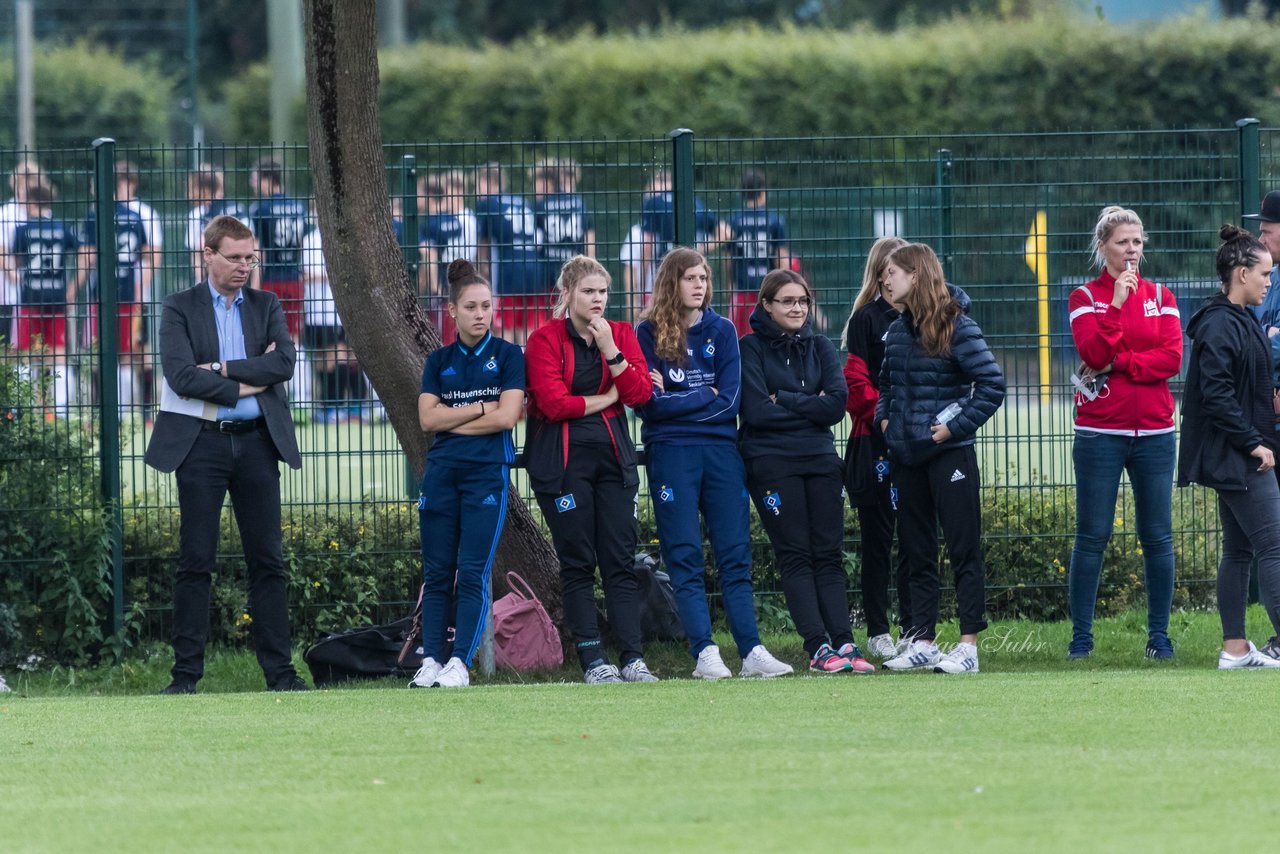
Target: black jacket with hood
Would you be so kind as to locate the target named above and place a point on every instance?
(803, 373)
(1226, 407)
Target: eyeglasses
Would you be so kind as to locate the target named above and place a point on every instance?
(250, 261)
(789, 303)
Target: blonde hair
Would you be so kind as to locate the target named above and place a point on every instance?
(666, 310)
(572, 273)
(1111, 218)
(871, 275)
(933, 310)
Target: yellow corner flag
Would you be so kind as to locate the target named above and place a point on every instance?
(1037, 251)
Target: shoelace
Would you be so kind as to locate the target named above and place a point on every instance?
(600, 672)
(638, 668)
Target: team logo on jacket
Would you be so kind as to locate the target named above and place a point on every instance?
(773, 501)
(666, 494)
(709, 350)
(422, 502)
(448, 372)
(1150, 308)
(882, 470)
(677, 375)
(491, 366)
(565, 503)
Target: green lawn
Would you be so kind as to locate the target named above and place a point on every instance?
(1032, 754)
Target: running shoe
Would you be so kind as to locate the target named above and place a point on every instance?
(638, 671)
(711, 665)
(825, 660)
(427, 673)
(918, 655)
(761, 663)
(601, 674)
(453, 675)
(1252, 658)
(962, 659)
(882, 647)
(857, 662)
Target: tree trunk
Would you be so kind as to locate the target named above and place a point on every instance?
(386, 327)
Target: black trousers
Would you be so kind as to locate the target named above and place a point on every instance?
(800, 505)
(878, 522)
(593, 522)
(247, 466)
(945, 490)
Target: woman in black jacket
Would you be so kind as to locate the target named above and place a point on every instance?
(793, 392)
(1228, 432)
(938, 385)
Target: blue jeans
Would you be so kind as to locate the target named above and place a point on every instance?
(1099, 459)
(685, 480)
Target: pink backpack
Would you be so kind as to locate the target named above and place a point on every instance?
(524, 637)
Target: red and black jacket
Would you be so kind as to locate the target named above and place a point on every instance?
(549, 368)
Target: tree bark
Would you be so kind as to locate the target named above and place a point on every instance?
(386, 328)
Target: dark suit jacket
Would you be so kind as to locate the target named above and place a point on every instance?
(189, 337)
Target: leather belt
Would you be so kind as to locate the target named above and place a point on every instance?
(235, 426)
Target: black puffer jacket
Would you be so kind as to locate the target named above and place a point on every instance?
(915, 387)
(802, 372)
(1226, 408)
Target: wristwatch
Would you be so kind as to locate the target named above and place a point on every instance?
(216, 367)
(616, 360)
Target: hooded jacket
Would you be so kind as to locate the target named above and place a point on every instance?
(802, 373)
(1226, 408)
(698, 403)
(915, 386)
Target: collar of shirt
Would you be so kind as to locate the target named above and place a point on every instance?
(478, 349)
(220, 301)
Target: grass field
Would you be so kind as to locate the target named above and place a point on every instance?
(1032, 754)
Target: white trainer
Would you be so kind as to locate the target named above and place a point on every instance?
(761, 663)
(917, 656)
(711, 665)
(882, 647)
(4, 689)
(638, 671)
(601, 674)
(1252, 658)
(453, 675)
(427, 673)
(962, 659)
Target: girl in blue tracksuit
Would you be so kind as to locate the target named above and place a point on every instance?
(472, 396)
(690, 434)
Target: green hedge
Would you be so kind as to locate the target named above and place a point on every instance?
(83, 92)
(1055, 74)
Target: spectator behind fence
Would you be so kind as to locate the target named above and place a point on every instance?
(206, 190)
(1129, 337)
(939, 384)
(337, 373)
(472, 397)
(695, 471)
(658, 219)
(508, 251)
(564, 225)
(868, 472)
(224, 427)
(13, 213)
(441, 241)
(757, 244)
(1229, 439)
(582, 371)
(793, 393)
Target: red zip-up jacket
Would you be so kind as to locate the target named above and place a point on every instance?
(1141, 341)
(549, 368)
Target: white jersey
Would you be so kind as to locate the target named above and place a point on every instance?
(632, 255)
(319, 308)
(150, 223)
(12, 215)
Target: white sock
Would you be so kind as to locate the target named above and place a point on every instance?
(64, 389)
(124, 380)
(301, 379)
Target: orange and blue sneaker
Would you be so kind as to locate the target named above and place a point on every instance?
(826, 660)
(857, 661)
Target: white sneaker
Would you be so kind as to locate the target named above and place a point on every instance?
(711, 665)
(426, 674)
(601, 674)
(4, 689)
(882, 647)
(962, 659)
(1252, 658)
(917, 656)
(760, 662)
(638, 671)
(453, 675)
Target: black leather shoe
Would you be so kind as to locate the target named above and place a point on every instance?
(179, 687)
(294, 684)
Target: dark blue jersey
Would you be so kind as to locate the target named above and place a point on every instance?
(563, 224)
(131, 242)
(226, 207)
(658, 219)
(508, 225)
(280, 223)
(758, 234)
(459, 375)
(444, 233)
(43, 249)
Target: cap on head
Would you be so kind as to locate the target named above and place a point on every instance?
(1270, 211)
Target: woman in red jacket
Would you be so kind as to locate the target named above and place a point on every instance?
(1129, 336)
(580, 371)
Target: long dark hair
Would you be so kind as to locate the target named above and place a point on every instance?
(666, 311)
(1239, 249)
(933, 309)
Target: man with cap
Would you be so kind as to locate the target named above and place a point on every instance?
(1268, 219)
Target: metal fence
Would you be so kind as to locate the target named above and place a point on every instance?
(975, 198)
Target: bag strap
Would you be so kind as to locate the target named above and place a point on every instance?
(415, 629)
(521, 588)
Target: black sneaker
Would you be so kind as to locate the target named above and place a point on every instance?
(1160, 648)
(1080, 648)
(179, 686)
(294, 684)
(1272, 648)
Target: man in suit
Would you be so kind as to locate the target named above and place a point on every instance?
(227, 353)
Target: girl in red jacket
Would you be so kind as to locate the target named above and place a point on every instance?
(1129, 337)
(581, 370)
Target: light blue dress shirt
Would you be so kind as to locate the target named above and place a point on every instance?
(231, 346)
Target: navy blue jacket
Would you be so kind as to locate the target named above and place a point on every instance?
(802, 371)
(686, 409)
(915, 386)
